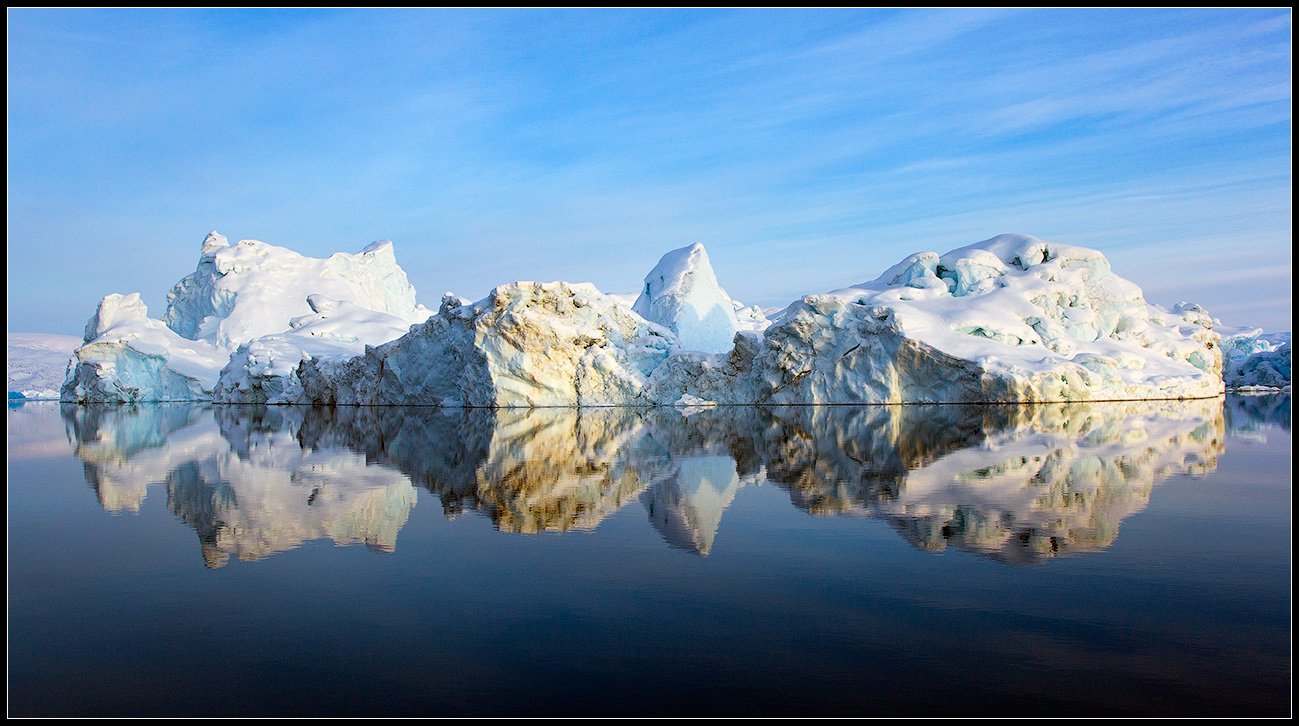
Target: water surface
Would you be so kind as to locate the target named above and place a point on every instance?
(918, 560)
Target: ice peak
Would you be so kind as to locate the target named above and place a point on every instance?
(214, 242)
(682, 294)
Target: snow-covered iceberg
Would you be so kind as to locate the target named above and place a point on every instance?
(526, 344)
(1013, 318)
(128, 356)
(238, 326)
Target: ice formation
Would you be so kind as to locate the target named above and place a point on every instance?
(1256, 360)
(526, 344)
(128, 356)
(681, 294)
(239, 325)
(1012, 318)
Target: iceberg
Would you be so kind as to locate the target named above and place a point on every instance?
(237, 327)
(129, 357)
(1010, 319)
(526, 344)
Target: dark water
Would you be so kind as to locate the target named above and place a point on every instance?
(944, 560)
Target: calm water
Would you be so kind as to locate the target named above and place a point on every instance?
(928, 560)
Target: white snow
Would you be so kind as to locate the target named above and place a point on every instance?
(36, 364)
(265, 369)
(681, 294)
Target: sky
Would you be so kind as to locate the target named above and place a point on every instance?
(807, 150)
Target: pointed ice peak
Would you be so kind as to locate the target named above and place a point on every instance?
(681, 293)
(213, 242)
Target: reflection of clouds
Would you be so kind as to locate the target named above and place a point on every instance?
(246, 485)
(1013, 483)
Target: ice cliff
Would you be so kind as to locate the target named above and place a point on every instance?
(1012, 318)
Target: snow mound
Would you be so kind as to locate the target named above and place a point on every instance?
(129, 357)
(681, 294)
(525, 344)
(37, 363)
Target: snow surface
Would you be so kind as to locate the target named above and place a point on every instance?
(1012, 318)
(37, 363)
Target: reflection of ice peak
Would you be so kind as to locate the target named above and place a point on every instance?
(686, 507)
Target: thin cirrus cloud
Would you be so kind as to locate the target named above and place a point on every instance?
(807, 149)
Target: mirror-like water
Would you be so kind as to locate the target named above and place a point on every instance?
(963, 560)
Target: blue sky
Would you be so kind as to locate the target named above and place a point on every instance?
(807, 149)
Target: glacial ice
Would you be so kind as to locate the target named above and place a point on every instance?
(129, 357)
(1012, 318)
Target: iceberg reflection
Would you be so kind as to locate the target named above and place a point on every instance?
(242, 481)
(1015, 483)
